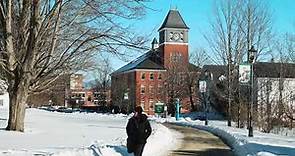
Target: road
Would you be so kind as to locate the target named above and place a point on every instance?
(199, 143)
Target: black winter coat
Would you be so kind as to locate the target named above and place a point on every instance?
(138, 129)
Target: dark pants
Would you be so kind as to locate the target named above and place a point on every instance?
(139, 149)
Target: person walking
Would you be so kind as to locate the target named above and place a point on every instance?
(138, 130)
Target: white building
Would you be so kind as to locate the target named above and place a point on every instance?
(4, 98)
(4, 101)
(275, 90)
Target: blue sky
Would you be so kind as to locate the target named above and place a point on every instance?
(197, 14)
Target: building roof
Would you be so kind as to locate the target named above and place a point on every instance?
(174, 20)
(274, 70)
(149, 60)
(193, 68)
(154, 41)
(261, 69)
(216, 70)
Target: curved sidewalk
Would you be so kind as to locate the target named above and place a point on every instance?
(199, 143)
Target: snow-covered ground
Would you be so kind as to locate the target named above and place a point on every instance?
(78, 134)
(82, 134)
(262, 144)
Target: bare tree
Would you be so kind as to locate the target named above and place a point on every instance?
(102, 75)
(290, 46)
(237, 26)
(40, 40)
(174, 85)
(198, 58)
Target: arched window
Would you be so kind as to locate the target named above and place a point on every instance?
(160, 76)
(142, 89)
(142, 76)
(151, 76)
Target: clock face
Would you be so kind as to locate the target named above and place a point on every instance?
(176, 36)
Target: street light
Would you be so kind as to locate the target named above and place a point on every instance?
(127, 99)
(204, 90)
(251, 58)
(207, 79)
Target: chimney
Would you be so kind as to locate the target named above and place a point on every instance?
(154, 44)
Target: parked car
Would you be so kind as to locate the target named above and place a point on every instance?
(200, 117)
(76, 110)
(50, 108)
(64, 110)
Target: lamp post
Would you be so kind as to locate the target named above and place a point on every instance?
(177, 106)
(204, 90)
(207, 79)
(251, 58)
(126, 98)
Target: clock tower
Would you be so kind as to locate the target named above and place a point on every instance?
(173, 40)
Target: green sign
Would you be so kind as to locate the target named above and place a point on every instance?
(159, 107)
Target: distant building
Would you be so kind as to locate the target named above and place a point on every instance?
(144, 81)
(275, 90)
(67, 91)
(92, 99)
(4, 97)
(56, 95)
(274, 86)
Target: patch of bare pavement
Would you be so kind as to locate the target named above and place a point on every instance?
(199, 143)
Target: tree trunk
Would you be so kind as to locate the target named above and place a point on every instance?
(17, 104)
(191, 98)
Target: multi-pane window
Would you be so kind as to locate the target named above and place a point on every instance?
(160, 76)
(160, 89)
(142, 89)
(151, 76)
(142, 103)
(151, 89)
(151, 103)
(142, 76)
(176, 57)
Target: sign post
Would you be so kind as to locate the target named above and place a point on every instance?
(203, 90)
(159, 108)
(177, 109)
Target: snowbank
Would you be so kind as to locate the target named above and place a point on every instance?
(261, 144)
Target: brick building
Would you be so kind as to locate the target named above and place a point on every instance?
(91, 99)
(144, 81)
(56, 95)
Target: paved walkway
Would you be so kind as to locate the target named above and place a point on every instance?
(199, 143)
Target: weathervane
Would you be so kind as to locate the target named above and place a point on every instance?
(171, 5)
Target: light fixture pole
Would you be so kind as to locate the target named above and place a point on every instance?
(207, 79)
(203, 89)
(127, 99)
(251, 58)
